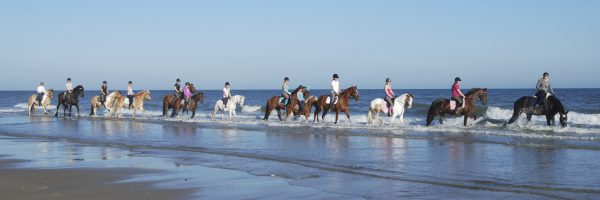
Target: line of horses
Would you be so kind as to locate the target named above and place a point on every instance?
(115, 102)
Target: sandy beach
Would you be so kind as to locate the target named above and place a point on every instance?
(79, 183)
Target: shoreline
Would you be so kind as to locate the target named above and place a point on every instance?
(79, 183)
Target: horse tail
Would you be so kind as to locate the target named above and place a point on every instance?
(267, 111)
(431, 113)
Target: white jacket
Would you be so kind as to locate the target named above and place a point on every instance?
(335, 86)
(41, 89)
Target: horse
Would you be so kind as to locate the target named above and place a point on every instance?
(172, 101)
(46, 100)
(274, 104)
(342, 105)
(73, 100)
(310, 102)
(231, 106)
(552, 106)
(441, 107)
(138, 103)
(379, 105)
(108, 102)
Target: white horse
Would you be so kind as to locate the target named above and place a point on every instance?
(380, 106)
(108, 103)
(231, 106)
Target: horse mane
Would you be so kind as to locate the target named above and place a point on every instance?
(474, 90)
(296, 90)
(558, 104)
(346, 90)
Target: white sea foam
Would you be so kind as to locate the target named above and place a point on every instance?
(251, 108)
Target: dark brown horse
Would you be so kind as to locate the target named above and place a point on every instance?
(342, 105)
(70, 101)
(172, 101)
(441, 107)
(273, 103)
(552, 106)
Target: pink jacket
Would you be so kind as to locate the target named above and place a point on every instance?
(186, 92)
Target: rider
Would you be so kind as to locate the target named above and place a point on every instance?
(41, 90)
(286, 91)
(335, 89)
(69, 88)
(226, 94)
(187, 94)
(457, 95)
(300, 96)
(103, 92)
(178, 92)
(389, 95)
(130, 93)
(543, 89)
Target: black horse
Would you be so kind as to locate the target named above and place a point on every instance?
(552, 106)
(72, 100)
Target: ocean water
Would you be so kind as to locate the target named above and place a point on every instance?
(484, 160)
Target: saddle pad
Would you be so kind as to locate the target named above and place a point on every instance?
(328, 100)
(452, 104)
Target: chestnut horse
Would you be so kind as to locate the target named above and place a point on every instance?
(342, 105)
(441, 107)
(72, 100)
(171, 101)
(273, 103)
(46, 100)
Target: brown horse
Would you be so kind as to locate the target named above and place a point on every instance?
(137, 104)
(273, 103)
(310, 102)
(441, 107)
(342, 105)
(171, 101)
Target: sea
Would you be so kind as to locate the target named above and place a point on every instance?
(485, 160)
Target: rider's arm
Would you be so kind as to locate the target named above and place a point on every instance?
(538, 86)
(550, 89)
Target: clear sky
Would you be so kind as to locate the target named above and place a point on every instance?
(254, 44)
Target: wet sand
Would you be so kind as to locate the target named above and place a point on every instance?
(79, 183)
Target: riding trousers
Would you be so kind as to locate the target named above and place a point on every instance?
(130, 97)
(225, 100)
(390, 101)
(459, 100)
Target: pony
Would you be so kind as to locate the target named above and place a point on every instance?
(231, 106)
(342, 105)
(441, 107)
(172, 101)
(379, 105)
(552, 106)
(274, 104)
(138, 103)
(72, 100)
(108, 103)
(46, 100)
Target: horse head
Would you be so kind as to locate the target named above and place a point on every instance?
(239, 99)
(79, 89)
(147, 95)
(50, 93)
(409, 100)
(478, 94)
(352, 92)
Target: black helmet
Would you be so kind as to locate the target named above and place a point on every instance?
(130, 82)
(187, 83)
(335, 76)
(457, 79)
(226, 83)
(546, 74)
(388, 80)
(286, 79)
(301, 86)
(41, 83)
(178, 80)
(104, 82)
(68, 79)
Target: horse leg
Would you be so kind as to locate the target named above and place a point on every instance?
(442, 116)
(279, 114)
(337, 114)
(529, 116)
(550, 120)
(77, 106)
(325, 111)
(70, 110)
(430, 118)
(57, 107)
(466, 119)
(515, 116)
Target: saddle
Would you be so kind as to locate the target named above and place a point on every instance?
(328, 100)
(287, 101)
(455, 106)
(538, 109)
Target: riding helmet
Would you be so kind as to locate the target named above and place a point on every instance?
(301, 86)
(227, 83)
(68, 79)
(457, 79)
(104, 82)
(41, 83)
(335, 76)
(178, 80)
(130, 82)
(286, 79)
(546, 74)
(187, 83)
(387, 80)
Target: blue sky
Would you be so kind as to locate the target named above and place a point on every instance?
(254, 44)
